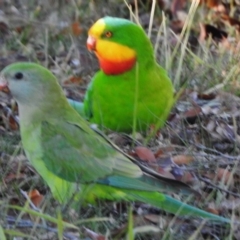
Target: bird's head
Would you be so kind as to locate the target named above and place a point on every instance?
(29, 83)
(119, 44)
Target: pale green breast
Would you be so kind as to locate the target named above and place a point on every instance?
(62, 190)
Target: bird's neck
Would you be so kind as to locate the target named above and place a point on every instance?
(114, 58)
(117, 66)
(31, 113)
(111, 67)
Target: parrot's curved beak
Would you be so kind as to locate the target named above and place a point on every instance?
(4, 85)
(91, 43)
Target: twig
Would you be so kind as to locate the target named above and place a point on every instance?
(219, 188)
(217, 152)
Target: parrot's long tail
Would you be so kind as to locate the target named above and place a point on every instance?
(174, 206)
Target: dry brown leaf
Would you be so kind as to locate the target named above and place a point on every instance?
(12, 176)
(145, 154)
(214, 4)
(35, 197)
(73, 80)
(163, 150)
(192, 112)
(205, 96)
(213, 210)
(221, 174)
(232, 21)
(13, 124)
(182, 159)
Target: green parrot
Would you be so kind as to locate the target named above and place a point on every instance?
(70, 156)
(130, 91)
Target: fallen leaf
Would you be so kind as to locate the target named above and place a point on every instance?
(192, 114)
(12, 176)
(163, 150)
(232, 21)
(145, 154)
(73, 80)
(182, 159)
(13, 124)
(212, 3)
(206, 96)
(35, 197)
(213, 210)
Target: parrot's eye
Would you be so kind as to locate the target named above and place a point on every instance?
(19, 75)
(108, 34)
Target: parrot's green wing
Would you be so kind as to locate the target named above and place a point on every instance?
(79, 156)
(75, 155)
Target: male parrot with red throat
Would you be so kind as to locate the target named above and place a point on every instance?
(130, 91)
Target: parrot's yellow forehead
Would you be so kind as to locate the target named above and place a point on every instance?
(97, 28)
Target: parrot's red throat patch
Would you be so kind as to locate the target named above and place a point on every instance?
(115, 67)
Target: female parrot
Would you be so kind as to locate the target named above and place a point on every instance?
(130, 91)
(68, 154)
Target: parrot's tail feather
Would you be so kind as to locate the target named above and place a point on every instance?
(174, 206)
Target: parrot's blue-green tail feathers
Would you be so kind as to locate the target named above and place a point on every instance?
(78, 106)
(182, 209)
(174, 206)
